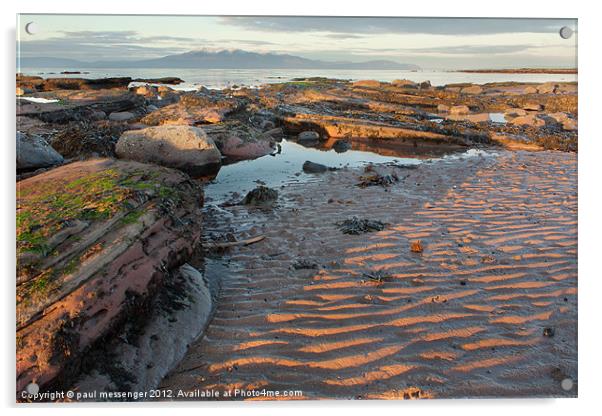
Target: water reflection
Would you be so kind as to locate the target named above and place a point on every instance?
(285, 165)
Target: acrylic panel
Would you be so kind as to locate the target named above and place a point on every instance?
(285, 208)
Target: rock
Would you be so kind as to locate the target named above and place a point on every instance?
(262, 195)
(52, 84)
(181, 147)
(566, 120)
(304, 264)
(164, 89)
(346, 127)
(473, 89)
(514, 112)
(183, 113)
(95, 240)
(370, 83)
(356, 226)
(150, 108)
(547, 88)
(311, 167)
(146, 90)
(239, 141)
(425, 85)
(514, 141)
(276, 132)
(98, 115)
(78, 105)
(121, 116)
(308, 136)
(341, 146)
(569, 125)
(85, 140)
(459, 109)
(164, 80)
(442, 108)
(267, 125)
(22, 91)
(404, 83)
(532, 107)
(234, 147)
(530, 90)
(33, 153)
(33, 83)
(528, 120)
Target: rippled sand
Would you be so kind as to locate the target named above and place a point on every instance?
(465, 318)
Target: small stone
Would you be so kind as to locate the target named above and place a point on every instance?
(548, 332)
(308, 135)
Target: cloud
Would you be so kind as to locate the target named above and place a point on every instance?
(107, 45)
(380, 25)
(343, 36)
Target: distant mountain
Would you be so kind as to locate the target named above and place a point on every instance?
(224, 59)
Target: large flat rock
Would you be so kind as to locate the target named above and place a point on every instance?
(94, 240)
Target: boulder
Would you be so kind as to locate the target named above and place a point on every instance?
(33, 152)
(240, 141)
(530, 90)
(312, 167)
(568, 123)
(98, 115)
(442, 108)
(236, 148)
(308, 136)
(95, 240)
(261, 196)
(425, 85)
(341, 146)
(121, 116)
(473, 89)
(547, 88)
(181, 147)
(459, 109)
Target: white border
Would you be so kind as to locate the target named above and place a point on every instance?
(590, 237)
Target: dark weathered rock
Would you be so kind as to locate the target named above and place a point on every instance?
(121, 116)
(341, 146)
(33, 152)
(262, 196)
(163, 80)
(356, 226)
(308, 136)
(311, 167)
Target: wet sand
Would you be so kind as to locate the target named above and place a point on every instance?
(464, 318)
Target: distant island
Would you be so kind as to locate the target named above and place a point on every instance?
(223, 59)
(522, 71)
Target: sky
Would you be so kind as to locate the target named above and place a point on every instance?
(433, 43)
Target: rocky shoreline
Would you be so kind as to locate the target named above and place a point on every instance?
(110, 188)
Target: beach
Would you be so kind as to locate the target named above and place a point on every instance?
(314, 238)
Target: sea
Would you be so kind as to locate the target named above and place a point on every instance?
(224, 78)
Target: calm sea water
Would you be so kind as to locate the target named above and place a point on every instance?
(221, 78)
